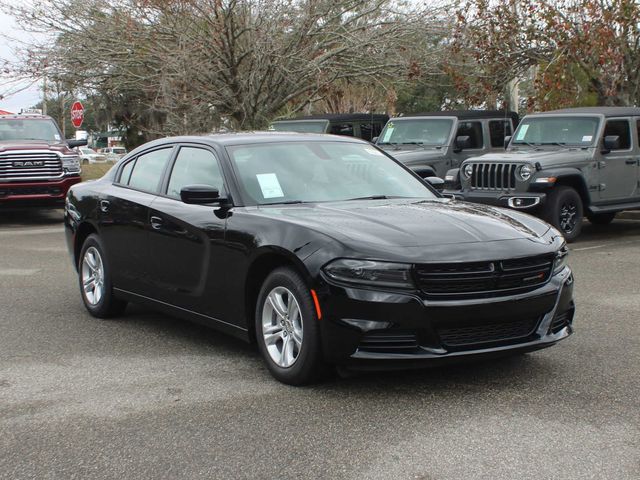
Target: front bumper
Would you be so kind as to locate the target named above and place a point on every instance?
(418, 330)
(36, 194)
(526, 201)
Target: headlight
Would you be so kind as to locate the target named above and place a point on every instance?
(467, 170)
(525, 172)
(368, 272)
(71, 163)
(561, 259)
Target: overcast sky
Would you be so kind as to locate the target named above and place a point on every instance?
(32, 94)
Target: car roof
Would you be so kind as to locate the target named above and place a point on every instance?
(606, 111)
(251, 138)
(465, 114)
(338, 117)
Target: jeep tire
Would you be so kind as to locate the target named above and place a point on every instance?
(564, 211)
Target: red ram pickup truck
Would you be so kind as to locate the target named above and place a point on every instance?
(37, 165)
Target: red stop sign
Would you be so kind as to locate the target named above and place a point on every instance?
(77, 114)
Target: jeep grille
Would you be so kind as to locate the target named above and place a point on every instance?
(27, 166)
(493, 176)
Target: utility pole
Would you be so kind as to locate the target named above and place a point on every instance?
(44, 96)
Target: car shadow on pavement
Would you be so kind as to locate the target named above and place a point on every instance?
(615, 230)
(503, 372)
(29, 217)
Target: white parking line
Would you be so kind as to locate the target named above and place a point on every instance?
(22, 272)
(613, 244)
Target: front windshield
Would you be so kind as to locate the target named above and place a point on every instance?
(31, 129)
(303, 126)
(87, 151)
(432, 131)
(575, 131)
(320, 172)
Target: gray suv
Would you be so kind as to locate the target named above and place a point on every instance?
(432, 143)
(561, 165)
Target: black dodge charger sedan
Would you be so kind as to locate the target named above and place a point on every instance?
(321, 249)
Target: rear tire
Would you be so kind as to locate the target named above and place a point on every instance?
(94, 278)
(287, 330)
(601, 218)
(564, 211)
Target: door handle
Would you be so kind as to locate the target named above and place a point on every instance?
(104, 206)
(156, 223)
(630, 162)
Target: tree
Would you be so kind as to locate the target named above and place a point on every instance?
(192, 65)
(576, 51)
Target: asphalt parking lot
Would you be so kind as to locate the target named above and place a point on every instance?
(148, 396)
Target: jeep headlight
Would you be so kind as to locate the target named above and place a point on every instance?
(525, 172)
(369, 272)
(467, 170)
(71, 163)
(560, 262)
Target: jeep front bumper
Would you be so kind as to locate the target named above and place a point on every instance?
(527, 201)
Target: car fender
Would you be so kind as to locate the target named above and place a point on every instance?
(566, 176)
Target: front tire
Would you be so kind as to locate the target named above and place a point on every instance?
(94, 277)
(564, 211)
(287, 330)
(601, 218)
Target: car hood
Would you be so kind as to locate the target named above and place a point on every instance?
(17, 145)
(411, 223)
(544, 157)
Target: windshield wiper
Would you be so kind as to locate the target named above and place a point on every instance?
(522, 142)
(374, 197)
(283, 202)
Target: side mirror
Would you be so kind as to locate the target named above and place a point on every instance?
(374, 140)
(436, 182)
(462, 142)
(200, 195)
(77, 143)
(610, 142)
(507, 139)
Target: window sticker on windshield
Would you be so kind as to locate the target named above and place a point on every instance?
(56, 136)
(388, 132)
(269, 185)
(587, 138)
(522, 132)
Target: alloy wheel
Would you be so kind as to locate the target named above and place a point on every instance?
(568, 217)
(282, 328)
(92, 276)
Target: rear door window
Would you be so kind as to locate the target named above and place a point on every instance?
(147, 170)
(474, 131)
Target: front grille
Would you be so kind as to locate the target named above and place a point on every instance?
(483, 279)
(30, 166)
(488, 333)
(389, 341)
(493, 176)
(561, 320)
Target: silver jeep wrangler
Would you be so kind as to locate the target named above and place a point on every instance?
(561, 165)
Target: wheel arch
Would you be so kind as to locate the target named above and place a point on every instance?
(568, 177)
(265, 262)
(84, 230)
